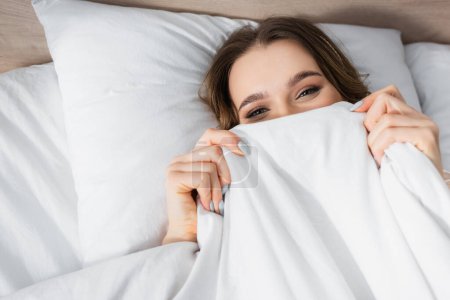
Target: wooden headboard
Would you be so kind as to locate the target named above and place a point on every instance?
(22, 40)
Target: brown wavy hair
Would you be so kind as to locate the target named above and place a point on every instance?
(332, 62)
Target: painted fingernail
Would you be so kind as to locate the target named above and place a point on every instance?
(225, 189)
(211, 206)
(244, 148)
(356, 105)
(221, 207)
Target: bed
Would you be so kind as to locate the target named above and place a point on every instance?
(87, 131)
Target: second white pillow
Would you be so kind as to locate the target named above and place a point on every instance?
(430, 68)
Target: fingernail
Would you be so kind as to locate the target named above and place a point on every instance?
(225, 189)
(356, 105)
(221, 207)
(211, 206)
(244, 148)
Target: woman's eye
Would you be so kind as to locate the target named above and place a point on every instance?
(256, 112)
(308, 91)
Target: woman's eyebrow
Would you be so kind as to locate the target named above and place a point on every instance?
(252, 98)
(300, 76)
(294, 80)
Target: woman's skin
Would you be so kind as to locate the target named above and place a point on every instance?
(263, 85)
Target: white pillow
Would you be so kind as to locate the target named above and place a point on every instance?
(38, 228)
(430, 68)
(129, 79)
(379, 53)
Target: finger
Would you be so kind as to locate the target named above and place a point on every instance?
(215, 155)
(205, 167)
(202, 183)
(221, 137)
(386, 104)
(216, 189)
(395, 120)
(185, 182)
(419, 137)
(212, 154)
(367, 102)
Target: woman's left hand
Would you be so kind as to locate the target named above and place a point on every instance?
(389, 119)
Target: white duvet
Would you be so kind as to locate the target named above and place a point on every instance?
(308, 216)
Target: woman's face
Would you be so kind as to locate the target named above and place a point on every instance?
(277, 80)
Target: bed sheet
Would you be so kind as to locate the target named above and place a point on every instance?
(38, 221)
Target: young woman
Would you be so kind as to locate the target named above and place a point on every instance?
(284, 66)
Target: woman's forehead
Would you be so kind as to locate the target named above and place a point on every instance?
(283, 56)
(265, 65)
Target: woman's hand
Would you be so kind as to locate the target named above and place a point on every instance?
(203, 171)
(389, 119)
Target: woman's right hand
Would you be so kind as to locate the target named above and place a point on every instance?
(202, 171)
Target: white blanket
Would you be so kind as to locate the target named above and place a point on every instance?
(308, 216)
